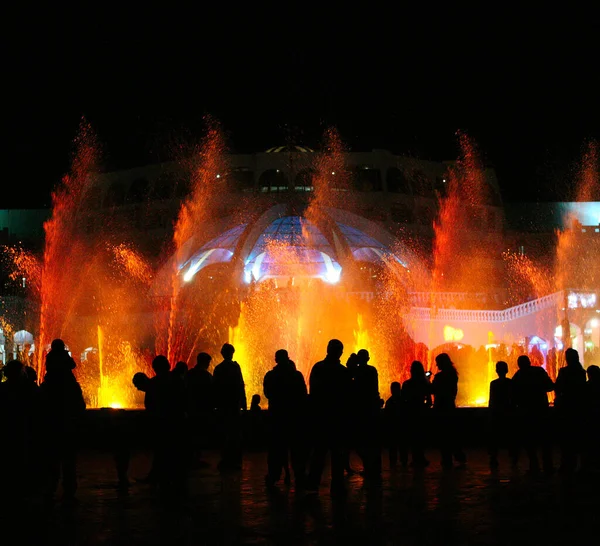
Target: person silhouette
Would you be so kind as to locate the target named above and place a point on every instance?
(444, 389)
(200, 386)
(285, 389)
(396, 436)
(501, 412)
(255, 424)
(63, 408)
(19, 407)
(255, 404)
(230, 399)
(200, 404)
(592, 400)
(141, 382)
(416, 402)
(31, 375)
(570, 390)
(367, 404)
(330, 389)
(350, 432)
(530, 388)
(165, 404)
(180, 370)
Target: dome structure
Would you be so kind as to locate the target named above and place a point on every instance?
(290, 149)
(282, 244)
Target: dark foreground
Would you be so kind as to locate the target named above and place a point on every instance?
(471, 506)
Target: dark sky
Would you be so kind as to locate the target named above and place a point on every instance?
(524, 85)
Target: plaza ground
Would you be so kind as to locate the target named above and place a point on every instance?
(463, 507)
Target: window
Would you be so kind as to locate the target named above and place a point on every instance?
(397, 181)
(273, 180)
(367, 178)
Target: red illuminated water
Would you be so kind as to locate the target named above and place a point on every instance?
(115, 309)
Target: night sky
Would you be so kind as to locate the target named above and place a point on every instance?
(524, 85)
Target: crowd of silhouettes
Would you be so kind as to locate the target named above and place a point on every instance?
(41, 426)
(338, 411)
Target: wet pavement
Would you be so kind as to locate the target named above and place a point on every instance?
(470, 506)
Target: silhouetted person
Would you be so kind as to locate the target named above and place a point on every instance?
(444, 389)
(531, 386)
(570, 390)
(19, 408)
(350, 431)
(367, 407)
(501, 415)
(285, 389)
(230, 399)
(58, 353)
(31, 375)
(395, 434)
(330, 386)
(200, 388)
(416, 401)
(352, 364)
(141, 382)
(165, 404)
(255, 425)
(119, 424)
(200, 403)
(62, 410)
(180, 370)
(592, 399)
(255, 404)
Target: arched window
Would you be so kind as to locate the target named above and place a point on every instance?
(163, 187)
(273, 180)
(115, 196)
(367, 179)
(241, 179)
(305, 180)
(421, 184)
(397, 181)
(94, 197)
(138, 191)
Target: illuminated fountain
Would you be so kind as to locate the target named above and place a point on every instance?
(286, 278)
(83, 292)
(292, 272)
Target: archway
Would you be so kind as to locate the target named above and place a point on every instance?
(273, 180)
(138, 191)
(305, 180)
(397, 181)
(115, 196)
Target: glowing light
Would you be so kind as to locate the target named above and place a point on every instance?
(332, 274)
(594, 323)
(453, 334)
(196, 266)
(218, 176)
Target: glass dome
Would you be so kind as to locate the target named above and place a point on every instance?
(217, 250)
(280, 246)
(292, 246)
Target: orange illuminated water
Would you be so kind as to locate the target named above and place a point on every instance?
(115, 309)
(462, 260)
(177, 336)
